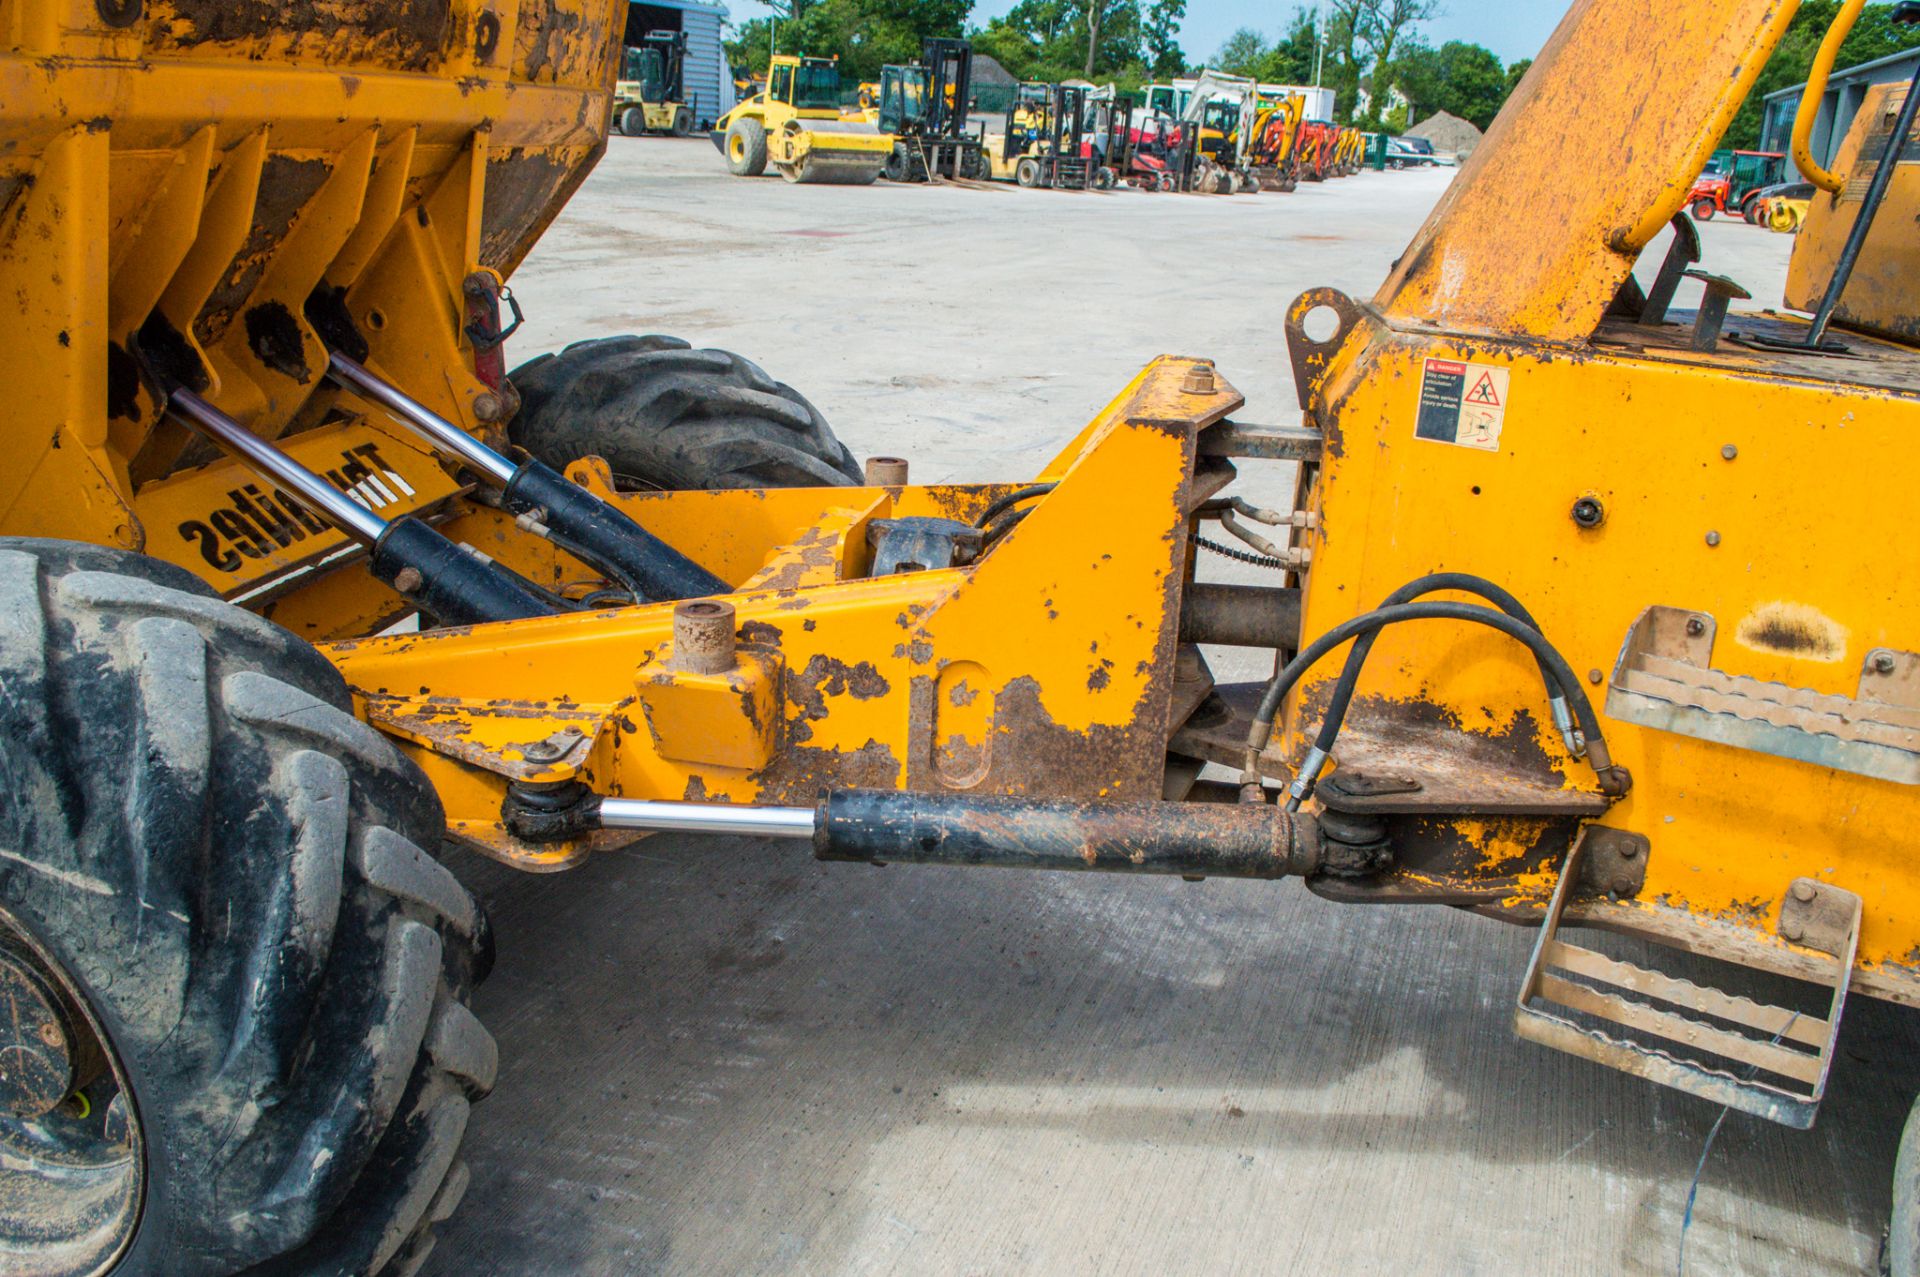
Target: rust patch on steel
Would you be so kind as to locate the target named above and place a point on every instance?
(286, 184)
(1033, 754)
(525, 189)
(406, 35)
(802, 773)
(823, 676)
(761, 634)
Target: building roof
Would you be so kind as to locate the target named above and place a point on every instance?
(705, 6)
(1850, 73)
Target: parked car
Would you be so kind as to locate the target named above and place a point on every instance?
(1410, 152)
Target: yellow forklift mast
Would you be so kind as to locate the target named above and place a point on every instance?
(1583, 612)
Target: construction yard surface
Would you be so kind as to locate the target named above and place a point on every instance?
(723, 1057)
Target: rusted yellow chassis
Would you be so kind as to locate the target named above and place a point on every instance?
(1045, 668)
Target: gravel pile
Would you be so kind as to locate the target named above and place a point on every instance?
(1447, 133)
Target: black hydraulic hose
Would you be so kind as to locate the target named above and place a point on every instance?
(1343, 688)
(1007, 523)
(1012, 499)
(1613, 780)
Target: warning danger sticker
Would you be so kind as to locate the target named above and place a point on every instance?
(1462, 403)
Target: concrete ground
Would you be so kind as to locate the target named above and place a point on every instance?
(722, 1057)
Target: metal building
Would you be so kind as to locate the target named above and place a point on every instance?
(1845, 90)
(709, 81)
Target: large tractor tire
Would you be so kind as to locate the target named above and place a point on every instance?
(666, 416)
(235, 1034)
(746, 148)
(1902, 1256)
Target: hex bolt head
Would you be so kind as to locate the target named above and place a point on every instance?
(1729, 452)
(703, 637)
(1791, 929)
(1199, 380)
(886, 472)
(1589, 513)
(1713, 538)
(1695, 627)
(1884, 663)
(1623, 886)
(1804, 892)
(1594, 677)
(1630, 851)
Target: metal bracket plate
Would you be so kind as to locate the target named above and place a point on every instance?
(1794, 1048)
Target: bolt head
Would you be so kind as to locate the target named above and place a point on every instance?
(1804, 892)
(1631, 851)
(1696, 627)
(1713, 538)
(1791, 929)
(1594, 677)
(488, 406)
(1884, 663)
(50, 1034)
(1623, 886)
(1729, 452)
(1199, 380)
(408, 579)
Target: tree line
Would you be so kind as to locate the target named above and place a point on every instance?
(1372, 53)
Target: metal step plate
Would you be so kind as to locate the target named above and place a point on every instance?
(1664, 680)
(1769, 1061)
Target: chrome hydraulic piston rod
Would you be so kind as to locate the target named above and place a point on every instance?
(573, 518)
(451, 584)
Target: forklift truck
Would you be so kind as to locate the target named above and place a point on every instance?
(650, 97)
(924, 106)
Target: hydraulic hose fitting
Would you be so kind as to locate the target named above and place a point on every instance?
(1309, 775)
(1563, 720)
(1615, 780)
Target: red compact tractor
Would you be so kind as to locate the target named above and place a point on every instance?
(1733, 181)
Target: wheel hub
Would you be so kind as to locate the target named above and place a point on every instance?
(70, 1136)
(36, 1048)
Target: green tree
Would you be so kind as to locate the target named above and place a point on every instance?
(1289, 60)
(1875, 35)
(1160, 39)
(1064, 39)
(864, 34)
(1367, 34)
(1245, 53)
(1515, 73)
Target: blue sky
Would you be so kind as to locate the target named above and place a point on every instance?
(1513, 29)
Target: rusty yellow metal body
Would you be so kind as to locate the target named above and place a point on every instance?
(1880, 297)
(1709, 535)
(179, 179)
(1484, 395)
(1045, 669)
